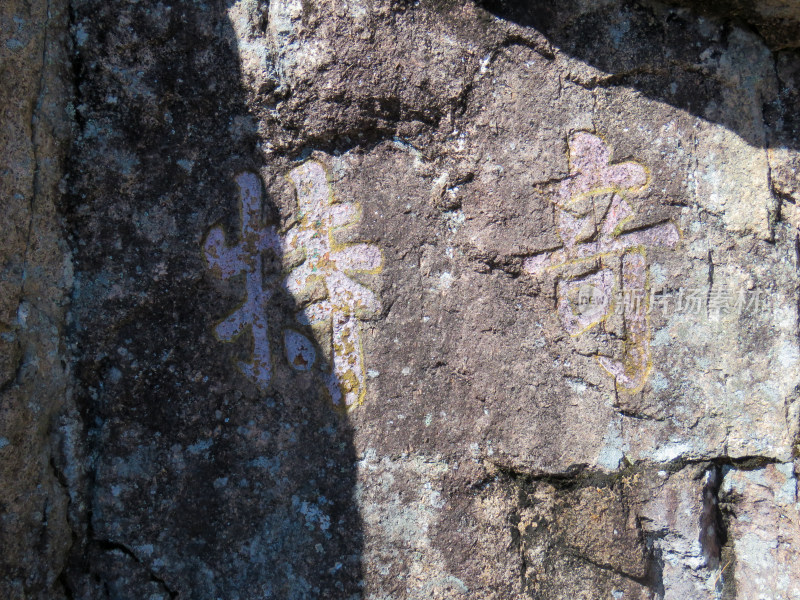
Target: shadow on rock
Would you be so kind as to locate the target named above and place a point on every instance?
(205, 482)
(716, 65)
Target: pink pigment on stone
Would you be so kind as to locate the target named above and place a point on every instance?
(590, 171)
(594, 292)
(325, 262)
(590, 226)
(632, 371)
(246, 257)
(329, 263)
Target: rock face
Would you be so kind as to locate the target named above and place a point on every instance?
(393, 300)
(37, 416)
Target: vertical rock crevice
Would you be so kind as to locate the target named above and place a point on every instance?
(712, 530)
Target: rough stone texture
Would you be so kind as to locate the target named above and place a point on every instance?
(403, 300)
(777, 21)
(764, 556)
(36, 423)
(202, 485)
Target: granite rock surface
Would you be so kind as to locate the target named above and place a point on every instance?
(394, 300)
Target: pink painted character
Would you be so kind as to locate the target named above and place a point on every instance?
(327, 265)
(591, 211)
(246, 257)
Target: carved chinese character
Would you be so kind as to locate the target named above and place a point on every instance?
(333, 302)
(319, 278)
(246, 258)
(591, 212)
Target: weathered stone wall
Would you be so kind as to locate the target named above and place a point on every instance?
(402, 300)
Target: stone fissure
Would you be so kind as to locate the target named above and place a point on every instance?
(111, 546)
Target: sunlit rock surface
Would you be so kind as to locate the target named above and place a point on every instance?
(394, 300)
